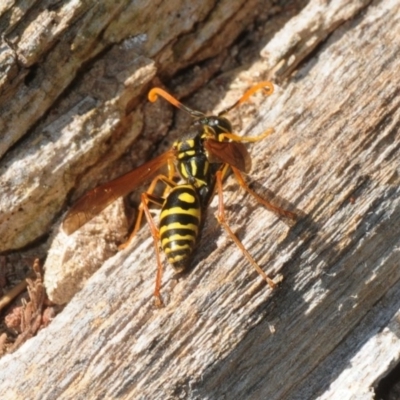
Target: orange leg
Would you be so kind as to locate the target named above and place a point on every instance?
(156, 237)
(147, 198)
(265, 203)
(159, 178)
(221, 220)
(237, 138)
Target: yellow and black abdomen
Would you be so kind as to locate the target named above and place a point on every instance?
(180, 220)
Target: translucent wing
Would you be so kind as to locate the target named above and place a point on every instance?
(232, 153)
(97, 199)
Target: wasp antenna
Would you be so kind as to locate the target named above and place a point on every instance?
(266, 86)
(155, 92)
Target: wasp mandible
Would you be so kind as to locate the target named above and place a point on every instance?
(201, 160)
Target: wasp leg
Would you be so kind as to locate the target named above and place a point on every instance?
(159, 178)
(147, 198)
(155, 233)
(265, 203)
(221, 220)
(237, 138)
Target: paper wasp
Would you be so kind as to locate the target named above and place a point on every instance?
(201, 159)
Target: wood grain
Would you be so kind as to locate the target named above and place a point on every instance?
(331, 330)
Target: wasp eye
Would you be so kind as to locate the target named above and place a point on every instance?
(223, 124)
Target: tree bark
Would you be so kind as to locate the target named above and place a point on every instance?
(74, 89)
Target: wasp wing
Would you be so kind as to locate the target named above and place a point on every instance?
(232, 153)
(97, 199)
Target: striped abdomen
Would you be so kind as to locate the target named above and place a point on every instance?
(179, 224)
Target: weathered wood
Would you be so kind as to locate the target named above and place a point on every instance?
(78, 133)
(331, 329)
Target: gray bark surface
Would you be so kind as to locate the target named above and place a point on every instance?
(331, 330)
